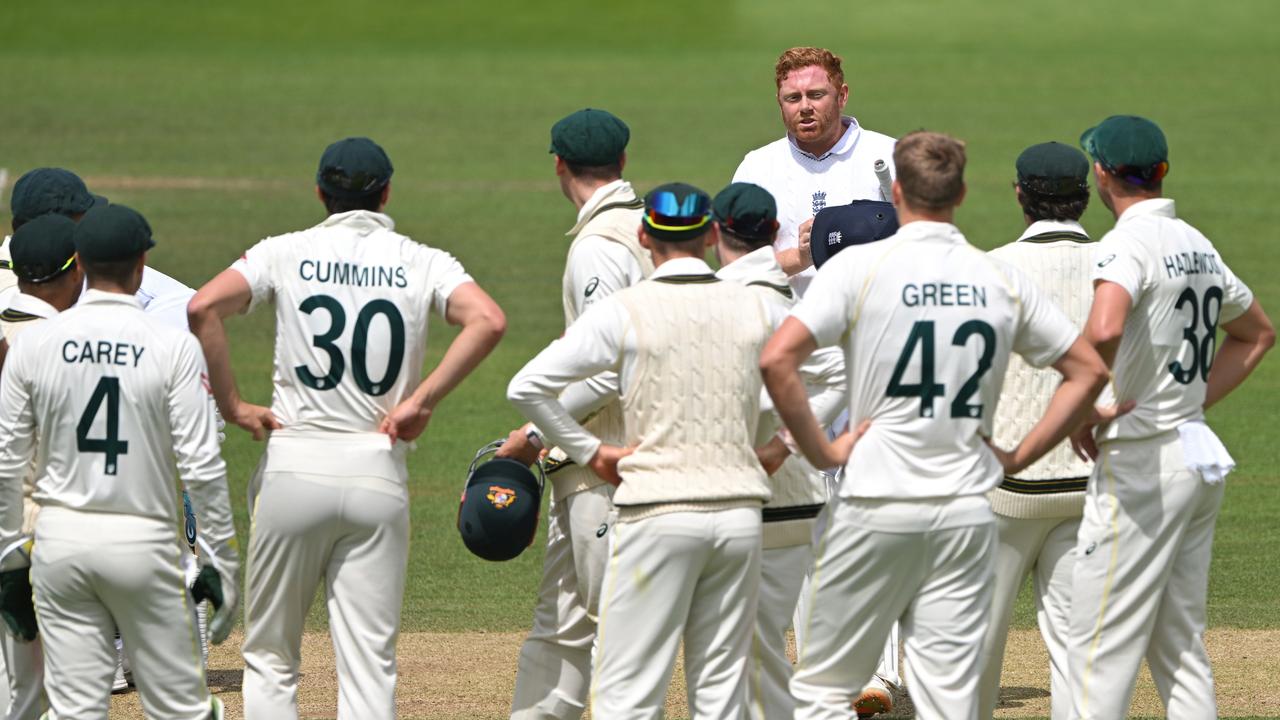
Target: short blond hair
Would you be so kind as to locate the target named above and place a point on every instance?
(803, 57)
(930, 169)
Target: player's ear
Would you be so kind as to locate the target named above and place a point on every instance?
(643, 238)
(842, 97)
(713, 236)
(896, 192)
(622, 162)
(386, 196)
(960, 197)
(320, 194)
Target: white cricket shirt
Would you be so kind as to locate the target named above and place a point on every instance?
(106, 397)
(802, 183)
(1181, 291)
(352, 301)
(927, 322)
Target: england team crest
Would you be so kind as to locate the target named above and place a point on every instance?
(501, 497)
(819, 201)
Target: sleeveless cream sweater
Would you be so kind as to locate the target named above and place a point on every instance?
(1058, 263)
(616, 220)
(693, 401)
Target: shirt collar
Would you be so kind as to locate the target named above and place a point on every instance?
(32, 305)
(1162, 207)
(925, 230)
(1040, 227)
(363, 221)
(681, 266)
(99, 297)
(843, 146)
(617, 191)
(756, 266)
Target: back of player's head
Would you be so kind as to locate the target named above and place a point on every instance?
(352, 175)
(1054, 180)
(747, 215)
(43, 249)
(1130, 148)
(591, 142)
(797, 58)
(930, 169)
(50, 190)
(110, 240)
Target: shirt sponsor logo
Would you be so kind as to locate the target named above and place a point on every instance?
(591, 287)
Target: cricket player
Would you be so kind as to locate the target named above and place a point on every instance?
(684, 545)
(1038, 510)
(100, 394)
(926, 322)
(1161, 292)
(330, 498)
(42, 254)
(554, 671)
(746, 216)
(826, 157)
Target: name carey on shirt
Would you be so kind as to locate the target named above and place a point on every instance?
(102, 352)
(347, 273)
(1191, 263)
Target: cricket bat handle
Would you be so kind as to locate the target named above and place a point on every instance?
(886, 180)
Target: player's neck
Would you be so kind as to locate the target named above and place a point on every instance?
(1121, 203)
(110, 286)
(581, 191)
(908, 214)
(821, 147)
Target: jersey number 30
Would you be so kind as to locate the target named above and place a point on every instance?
(927, 389)
(359, 342)
(107, 391)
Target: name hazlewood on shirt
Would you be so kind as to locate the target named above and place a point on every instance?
(1191, 263)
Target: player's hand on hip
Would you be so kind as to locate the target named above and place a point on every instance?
(605, 462)
(842, 446)
(805, 237)
(406, 421)
(258, 420)
(1082, 440)
(1007, 460)
(772, 454)
(518, 448)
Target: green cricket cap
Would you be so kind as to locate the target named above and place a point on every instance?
(42, 249)
(676, 211)
(590, 137)
(1129, 146)
(112, 232)
(1053, 168)
(352, 168)
(50, 190)
(746, 210)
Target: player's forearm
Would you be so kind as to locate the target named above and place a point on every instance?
(1235, 360)
(792, 261)
(792, 405)
(539, 403)
(464, 355)
(1084, 377)
(209, 330)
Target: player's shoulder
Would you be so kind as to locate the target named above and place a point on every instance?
(877, 140)
(757, 165)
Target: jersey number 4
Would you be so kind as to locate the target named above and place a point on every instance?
(359, 345)
(107, 391)
(1202, 347)
(927, 389)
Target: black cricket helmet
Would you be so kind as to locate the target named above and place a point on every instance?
(498, 511)
(861, 221)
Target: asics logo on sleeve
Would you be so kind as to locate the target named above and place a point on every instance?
(1106, 261)
(591, 287)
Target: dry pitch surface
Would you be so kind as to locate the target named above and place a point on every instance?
(470, 676)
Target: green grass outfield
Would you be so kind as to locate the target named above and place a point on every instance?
(210, 118)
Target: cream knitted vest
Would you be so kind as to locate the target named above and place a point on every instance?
(693, 398)
(1059, 264)
(12, 323)
(617, 221)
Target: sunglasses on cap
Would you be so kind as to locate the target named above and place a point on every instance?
(669, 212)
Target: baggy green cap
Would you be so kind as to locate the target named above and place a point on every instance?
(112, 232)
(676, 211)
(590, 137)
(1129, 146)
(50, 190)
(1053, 168)
(353, 168)
(746, 210)
(42, 249)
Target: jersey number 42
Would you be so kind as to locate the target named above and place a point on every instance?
(927, 389)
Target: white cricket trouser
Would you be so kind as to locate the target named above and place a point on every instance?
(936, 584)
(782, 573)
(91, 576)
(553, 675)
(681, 575)
(1045, 549)
(354, 533)
(1140, 582)
(24, 697)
